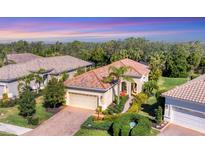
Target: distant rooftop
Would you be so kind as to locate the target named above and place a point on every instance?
(193, 91)
(21, 57)
(54, 65)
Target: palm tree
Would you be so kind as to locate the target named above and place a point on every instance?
(3, 58)
(117, 75)
(38, 80)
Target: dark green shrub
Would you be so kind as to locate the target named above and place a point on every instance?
(9, 103)
(116, 108)
(143, 127)
(27, 104)
(90, 123)
(159, 115)
(121, 125)
(125, 130)
(116, 129)
(33, 120)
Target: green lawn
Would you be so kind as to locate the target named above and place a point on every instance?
(6, 134)
(11, 116)
(91, 132)
(166, 84)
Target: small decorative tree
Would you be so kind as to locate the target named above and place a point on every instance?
(54, 93)
(159, 115)
(149, 87)
(99, 111)
(27, 104)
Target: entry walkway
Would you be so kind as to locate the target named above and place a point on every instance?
(127, 104)
(13, 129)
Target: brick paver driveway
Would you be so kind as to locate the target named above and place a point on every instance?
(65, 123)
(175, 130)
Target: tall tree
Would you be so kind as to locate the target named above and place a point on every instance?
(99, 56)
(195, 56)
(54, 93)
(176, 64)
(27, 104)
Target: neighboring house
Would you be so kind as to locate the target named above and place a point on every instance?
(89, 91)
(185, 104)
(52, 66)
(21, 57)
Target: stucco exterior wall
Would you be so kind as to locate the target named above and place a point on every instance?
(13, 88)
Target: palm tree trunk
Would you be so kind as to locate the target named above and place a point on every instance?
(118, 96)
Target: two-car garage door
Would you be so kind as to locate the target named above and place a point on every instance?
(189, 118)
(83, 101)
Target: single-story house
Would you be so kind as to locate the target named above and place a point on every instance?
(185, 104)
(52, 66)
(89, 91)
(21, 57)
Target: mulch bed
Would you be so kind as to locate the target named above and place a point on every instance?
(159, 127)
(55, 110)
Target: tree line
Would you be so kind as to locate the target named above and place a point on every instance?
(168, 59)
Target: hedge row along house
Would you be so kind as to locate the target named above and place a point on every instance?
(89, 91)
(28, 63)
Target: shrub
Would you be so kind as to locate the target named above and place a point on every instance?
(135, 108)
(116, 108)
(33, 120)
(90, 123)
(54, 94)
(116, 129)
(125, 131)
(159, 115)
(121, 125)
(149, 87)
(5, 97)
(143, 127)
(141, 98)
(27, 104)
(137, 102)
(9, 103)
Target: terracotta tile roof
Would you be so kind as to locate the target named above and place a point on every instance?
(193, 91)
(93, 79)
(22, 57)
(56, 65)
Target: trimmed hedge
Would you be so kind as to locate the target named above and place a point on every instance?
(143, 127)
(116, 108)
(121, 126)
(90, 123)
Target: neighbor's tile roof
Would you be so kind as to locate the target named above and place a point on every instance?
(93, 79)
(22, 57)
(193, 91)
(56, 64)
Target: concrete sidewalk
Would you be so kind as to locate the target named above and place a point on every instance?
(13, 129)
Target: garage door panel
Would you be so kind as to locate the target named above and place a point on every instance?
(190, 119)
(83, 101)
